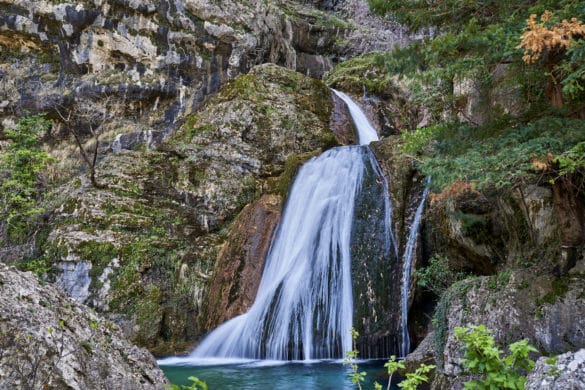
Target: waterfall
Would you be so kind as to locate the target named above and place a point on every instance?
(366, 132)
(303, 308)
(304, 305)
(408, 254)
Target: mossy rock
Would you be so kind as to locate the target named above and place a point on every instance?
(163, 215)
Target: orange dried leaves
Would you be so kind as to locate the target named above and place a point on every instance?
(457, 188)
(539, 37)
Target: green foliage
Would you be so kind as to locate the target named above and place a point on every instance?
(357, 377)
(499, 154)
(367, 71)
(437, 277)
(573, 70)
(21, 167)
(196, 384)
(38, 266)
(413, 379)
(392, 366)
(484, 359)
(572, 160)
(457, 292)
(475, 61)
(447, 15)
(415, 141)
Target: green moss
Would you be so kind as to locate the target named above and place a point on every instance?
(249, 193)
(362, 71)
(281, 184)
(243, 86)
(457, 292)
(500, 280)
(99, 254)
(559, 287)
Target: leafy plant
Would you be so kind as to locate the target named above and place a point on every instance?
(21, 168)
(572, 160)
(550, 41)
(392, 366)
(447, 15)
(38, 266)
(484, 359)
(413, 379)
(437, 277)
(196, 384)
(357, 377)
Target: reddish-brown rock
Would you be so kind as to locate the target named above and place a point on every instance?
(241, 262)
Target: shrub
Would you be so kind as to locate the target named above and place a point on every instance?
(484, 359)
(21, 167)
(437, 277)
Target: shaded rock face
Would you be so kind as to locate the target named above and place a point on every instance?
(485, 232)
(377, 279)
(341, 123)
(238, 271)
(49, 341)
(143, 250)
(528, 243)
(563, 372)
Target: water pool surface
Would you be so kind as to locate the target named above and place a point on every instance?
(276, 375)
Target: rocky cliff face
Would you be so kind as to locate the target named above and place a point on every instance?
(162, 59)
(49, 341)
(534, 284)
(144, 248)
(174, 170)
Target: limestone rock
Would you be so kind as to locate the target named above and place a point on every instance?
(485, 231)
(48, 340)
(423, 354)
(563, 372)
(162, 59)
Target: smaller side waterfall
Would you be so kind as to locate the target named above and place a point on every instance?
(408, 255)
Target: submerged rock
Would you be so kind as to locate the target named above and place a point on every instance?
(49, 341)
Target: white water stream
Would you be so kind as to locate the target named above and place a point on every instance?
(408, 255)
(304, 306)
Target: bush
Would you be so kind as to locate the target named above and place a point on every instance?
(437, 277)
(484, 359)
(21, 167)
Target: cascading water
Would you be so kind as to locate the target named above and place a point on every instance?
(303, 309)
(304, 305)
(408, 254)
(366, 132)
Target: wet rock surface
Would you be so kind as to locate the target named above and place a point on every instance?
(238, 272)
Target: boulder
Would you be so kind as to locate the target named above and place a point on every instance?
(50, 341)
(527, 304)
(562, 372)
